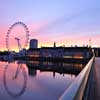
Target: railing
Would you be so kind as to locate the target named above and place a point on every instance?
(77, 88)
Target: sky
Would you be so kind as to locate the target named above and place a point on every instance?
(66, 22)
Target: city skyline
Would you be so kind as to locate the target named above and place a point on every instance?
(65, 22)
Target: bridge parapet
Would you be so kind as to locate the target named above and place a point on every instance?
(77, 87)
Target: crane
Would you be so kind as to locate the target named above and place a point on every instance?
(18, 41)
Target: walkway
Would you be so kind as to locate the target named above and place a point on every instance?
(97, 78)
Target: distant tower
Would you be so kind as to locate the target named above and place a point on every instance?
(33, 43)
(90, 43)
(54, 44)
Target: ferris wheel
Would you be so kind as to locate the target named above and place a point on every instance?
(12, 36)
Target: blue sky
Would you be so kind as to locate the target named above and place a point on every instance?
(62, 18)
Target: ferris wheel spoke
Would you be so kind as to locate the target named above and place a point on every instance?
(10, 36)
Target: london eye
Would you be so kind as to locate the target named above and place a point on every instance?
(17, 31)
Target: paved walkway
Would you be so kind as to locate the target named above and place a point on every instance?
(97, 78)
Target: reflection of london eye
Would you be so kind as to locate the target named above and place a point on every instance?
(11, 38)
(14, 77)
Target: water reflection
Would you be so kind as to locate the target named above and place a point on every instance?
(14, 77)
(61, 68)
(37, 80)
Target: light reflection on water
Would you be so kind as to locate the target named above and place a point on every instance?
(34, 80)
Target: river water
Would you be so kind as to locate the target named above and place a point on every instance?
(35, 81)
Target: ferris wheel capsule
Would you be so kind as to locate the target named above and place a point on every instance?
(10, 30)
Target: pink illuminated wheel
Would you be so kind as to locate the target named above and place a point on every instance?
(23, 35)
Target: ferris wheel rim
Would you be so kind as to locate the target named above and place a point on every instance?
(10, 29)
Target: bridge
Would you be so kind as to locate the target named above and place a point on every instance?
(86, 85)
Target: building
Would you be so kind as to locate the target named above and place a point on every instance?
(61, 52)
(33, 43)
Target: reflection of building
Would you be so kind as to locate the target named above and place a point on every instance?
(59, 67)
(31, 68)
(32, 72)
(33, 43)
(54, 74)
